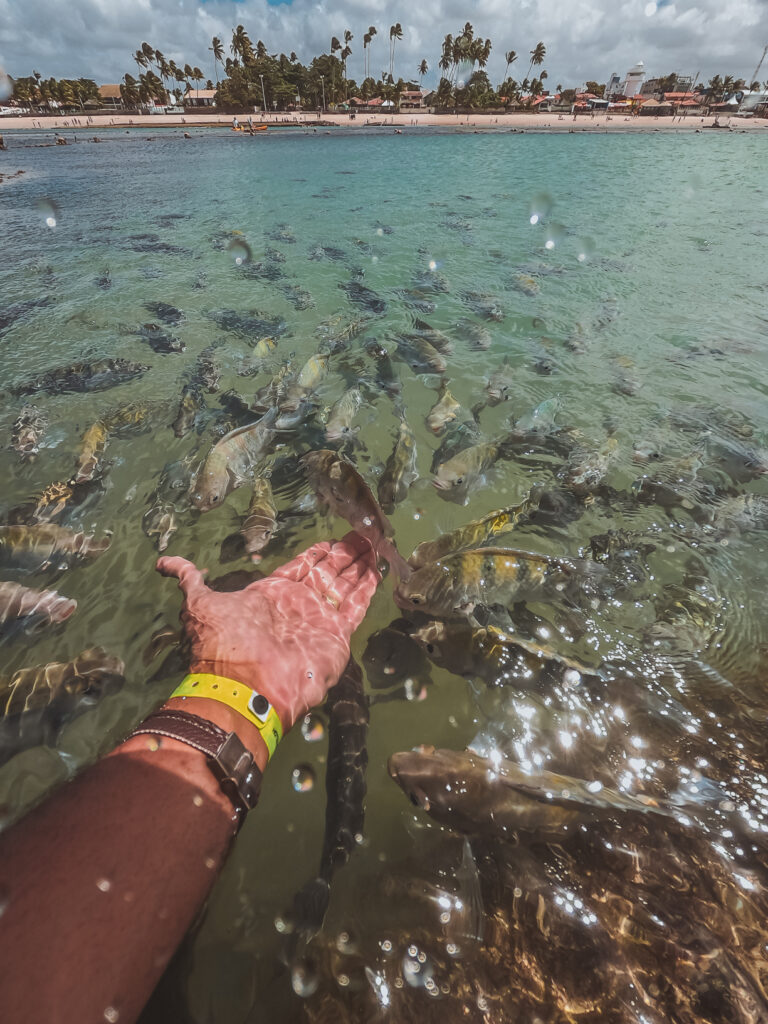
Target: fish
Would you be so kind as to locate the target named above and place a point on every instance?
(274, 255)
(392, 657)
(207, 372)
(493, 796)
(97, 376)
(160, 521)
(436, 338)
(231, 461)
(476, 534)
(249, 325)
(189, 407)
(128, 419)
(327, 252)
(456, 476)
(93, 446)
(578, 340)
(400, 471)
(486, 306)
(456, 584)
(35, 702)
(432, 282)
(499, 386)
(159, 340)
(339, 424)
(459, 436)
(16, 311)
(28, 431)
(445, 409)
(54, 500)
(21, 606)
(540, 420)
(298, 297)
(337, 483)
(739, 514)
(413, 298)
(165, 312)
(310, 376)
(363, 296)
(478, 335)
(260, 523)
(586, 470)
(526, 284)
(420, 354)
(39, 546)
(385, 374)
(496, 657)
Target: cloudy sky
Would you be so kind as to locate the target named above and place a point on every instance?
(585, 39)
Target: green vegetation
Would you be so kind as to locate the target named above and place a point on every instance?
(248, 76)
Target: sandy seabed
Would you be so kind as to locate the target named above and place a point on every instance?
(92, 125)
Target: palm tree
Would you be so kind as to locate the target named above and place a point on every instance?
(241, 45)
(261, 50)
(188, 74)
(395, 33)
(538, 53)
(217, 49)
(140, 59)
(510, 58)
(367, 40)
(422, 70)
(129, 91)
(198, 76)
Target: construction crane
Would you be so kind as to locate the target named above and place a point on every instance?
(759, 65)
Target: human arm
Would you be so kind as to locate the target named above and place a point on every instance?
(101, 883)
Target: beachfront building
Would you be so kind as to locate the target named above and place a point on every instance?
(110, 97)
(412, 99)
(633, 81)
(613, 88)
(200, 98)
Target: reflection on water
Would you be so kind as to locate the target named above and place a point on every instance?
(564, 335)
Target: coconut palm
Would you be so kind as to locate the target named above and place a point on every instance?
(538, 53)
(510, 56)
(395, 33)
(198, 77)
(129, 91)
(422, 70)
(140, 59)
(189, 74)
(367, 40)
(217, 49)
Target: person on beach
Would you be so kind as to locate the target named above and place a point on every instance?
(99, 885)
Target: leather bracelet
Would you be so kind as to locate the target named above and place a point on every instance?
(228, 758)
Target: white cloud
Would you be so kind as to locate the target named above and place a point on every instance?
(585, 39)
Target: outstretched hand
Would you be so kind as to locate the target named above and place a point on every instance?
(286, 636)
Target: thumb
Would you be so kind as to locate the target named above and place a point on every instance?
(189, 576)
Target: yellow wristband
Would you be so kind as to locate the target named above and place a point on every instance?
(254, 707)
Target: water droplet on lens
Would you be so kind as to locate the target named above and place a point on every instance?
(304, 978)
(283, 925)
(417, 968)
(111, 1014)
(380, 232)
(539, 207)
(240, 252)
(585, 249)
(313, 728)
(303, 778)
(49, 211)
(555, 235)
(347, 942)
(103, 885)
(6, 86)
(386, 946)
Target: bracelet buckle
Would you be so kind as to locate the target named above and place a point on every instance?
(238, 777)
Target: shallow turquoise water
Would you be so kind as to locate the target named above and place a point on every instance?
(670, 292)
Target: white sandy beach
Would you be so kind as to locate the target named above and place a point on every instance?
(407, 119)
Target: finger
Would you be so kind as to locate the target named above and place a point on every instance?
(348, 580)
(350, 548)
(298, 567)
(355, 605)
(189, 576)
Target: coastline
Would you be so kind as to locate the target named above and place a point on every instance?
(535, 122)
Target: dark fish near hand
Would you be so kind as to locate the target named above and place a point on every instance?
(189, 407)
(456, 584)
(360, 295)
(96, 376)
(445, 409)
(164, 312)
(260, 523)
(496, 657)
(28, 431)
(400, 471)
(478, 533)
(25, 608)
(231, 461)
(337, 483)
(35, 702)
(493, 796)
(41, 546)
(393, 657)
